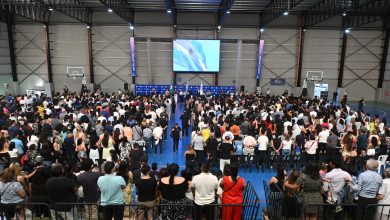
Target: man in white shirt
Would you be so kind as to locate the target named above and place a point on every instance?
(322, 140)
(157, 134)
(335, 180)
(263, 144)
(204, 189)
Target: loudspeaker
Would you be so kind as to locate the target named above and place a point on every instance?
(126, 86)
(242, 89)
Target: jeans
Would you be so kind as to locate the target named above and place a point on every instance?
(285, 153)
(110, 211)
(148, 143)
(175, 144)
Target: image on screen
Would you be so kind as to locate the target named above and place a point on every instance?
(196, 55)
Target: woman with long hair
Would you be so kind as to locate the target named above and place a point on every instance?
(233, 187)
(173, 192)
(278, 180)
(123, 171)
(190, 156)
(107, 143)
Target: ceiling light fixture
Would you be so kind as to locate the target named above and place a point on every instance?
(228, 12)
(88, 27)
(285, 13)
(131, 26)
(344, 14)
(348, 30)
(261, 29)
(169, 11)
(51, 9)
(109, 10)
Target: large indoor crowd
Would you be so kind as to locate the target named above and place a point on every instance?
(94, 148)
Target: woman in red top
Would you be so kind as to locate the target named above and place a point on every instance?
(233, 187)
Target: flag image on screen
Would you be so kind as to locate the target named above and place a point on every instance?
(196, 55)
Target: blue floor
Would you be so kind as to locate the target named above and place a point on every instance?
(256, 177)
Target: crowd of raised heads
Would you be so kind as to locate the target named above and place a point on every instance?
(53, 145)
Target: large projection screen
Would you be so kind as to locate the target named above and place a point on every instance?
(196, 55)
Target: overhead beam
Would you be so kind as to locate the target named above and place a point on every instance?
(28, 9)
(358, 14)
(10, 20)
(301, 38)
(170, 5)
(224, 10)
(121, 8)
(73, 8)
(385, 50)
(48, 54)
(275, 9)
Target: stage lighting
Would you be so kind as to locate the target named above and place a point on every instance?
(285, 13)
(169, 11)
(109, 10)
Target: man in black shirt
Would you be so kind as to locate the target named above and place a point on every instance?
(184, 122)
(135, 157)
(176, 136)
(137, 173)
(225, 150)
(61, 190)
(88, 180)
(146, 190)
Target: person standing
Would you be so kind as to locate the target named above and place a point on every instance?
(198, 144)
(146, 190)
(184, 122)
(233, 187)
(61, 190)
(335, 94)
(176, 136)
(204, 189)
(225, 150)
(88, 180)
(361, 105)
(263, 144)
(384, 197)
(111, 194)
(322, 140)
(158, 135)
(369, 183)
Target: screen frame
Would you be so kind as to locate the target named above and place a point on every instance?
(197, 72)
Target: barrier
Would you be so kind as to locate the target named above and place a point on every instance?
(248, 210)
(160, 89)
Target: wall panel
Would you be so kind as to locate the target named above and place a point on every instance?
(362, 64)
(5, 62)
(30, 54)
